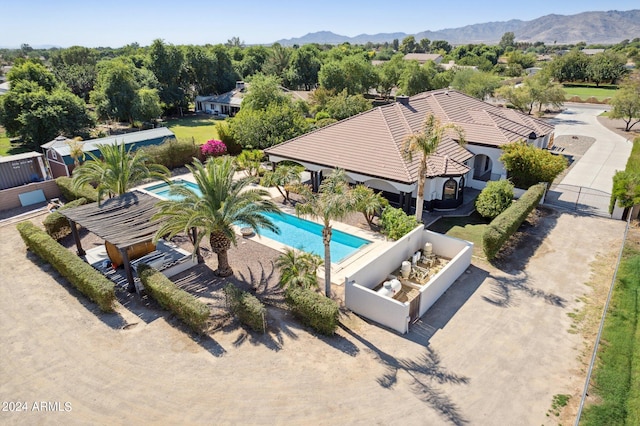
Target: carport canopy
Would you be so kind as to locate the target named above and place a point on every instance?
(123, 221)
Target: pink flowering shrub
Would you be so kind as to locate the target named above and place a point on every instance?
(213, 148)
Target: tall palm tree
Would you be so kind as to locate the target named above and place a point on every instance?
(116, 170)
(224, 202)
(426, 143)
(333, 201)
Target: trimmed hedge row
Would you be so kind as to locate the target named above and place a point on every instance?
(56, 225)
(69, 193)
(185, 306)
(313, 309)
(80, 274)
(247, 308)
(507, 223)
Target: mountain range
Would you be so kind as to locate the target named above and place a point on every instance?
(590, 27)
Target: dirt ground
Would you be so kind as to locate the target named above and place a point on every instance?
(493, 350)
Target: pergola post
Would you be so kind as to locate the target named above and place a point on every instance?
(127, 270)
(76, 238)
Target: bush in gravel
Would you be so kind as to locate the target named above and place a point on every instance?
(56, 225)
(507, 223)
(249, 310)
(66, 188)
(80, 274)
(313, 309)
(185, 306)
(495, 198)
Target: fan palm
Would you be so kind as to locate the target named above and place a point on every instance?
(116, 170)
(223, 203)
(333, 201)
(426, 143)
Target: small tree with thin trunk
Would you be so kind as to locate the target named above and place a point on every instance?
(283, 177)
(426, 143)
(369, 203)
(333, 201)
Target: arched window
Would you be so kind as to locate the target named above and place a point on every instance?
(450, 189)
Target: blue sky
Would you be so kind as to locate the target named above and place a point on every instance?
(115, 23)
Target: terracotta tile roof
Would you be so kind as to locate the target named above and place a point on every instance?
(372, 143)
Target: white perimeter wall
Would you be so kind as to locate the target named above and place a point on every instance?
(389, 312)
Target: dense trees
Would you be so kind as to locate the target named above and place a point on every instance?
(537, 89)
(38, 107)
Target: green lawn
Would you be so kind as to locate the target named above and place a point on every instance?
(6, 148)
(586, 92)
(468, 228)
(201, 129)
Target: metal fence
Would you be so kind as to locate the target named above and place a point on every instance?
(579, 198)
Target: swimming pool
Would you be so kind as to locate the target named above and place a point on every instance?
(295, 232)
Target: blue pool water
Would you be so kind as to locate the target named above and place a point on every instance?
(294, 231)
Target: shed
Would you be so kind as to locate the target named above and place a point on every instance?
(58, 151)
(21, 169)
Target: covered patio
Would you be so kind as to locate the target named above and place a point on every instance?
(125, 224)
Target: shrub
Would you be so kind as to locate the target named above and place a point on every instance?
(249, 310)
(172, 153)
(313, 309)
(213, 148)
(396, 223)
(69, 193)
(185, 306)
(495, 198)
(507, 223)
(80, 274)
(56, 225)
(528, 165)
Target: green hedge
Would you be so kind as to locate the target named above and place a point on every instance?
(185, 306)
(69, 193)
(56, 225)
(80, 274)
(507, 223)
(247, 308)
(313, 309)
(173, 153)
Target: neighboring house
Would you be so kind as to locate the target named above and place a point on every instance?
(370, 147)
(58, 151)
(452, 65)
(226, 103)
(422, 58)
(591, 52)
(532, 70)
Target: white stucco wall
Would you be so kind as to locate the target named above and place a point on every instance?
(393, 314)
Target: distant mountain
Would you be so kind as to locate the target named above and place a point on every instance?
(590, 27)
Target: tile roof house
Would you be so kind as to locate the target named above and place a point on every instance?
(58, 151)
(370, 147)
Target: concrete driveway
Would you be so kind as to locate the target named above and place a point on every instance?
(588, 183)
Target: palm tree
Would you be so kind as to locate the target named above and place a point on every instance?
(298, 268)
(426, 143)
(224, 202)
(116, 170)
(283, 178)
(75, 150)
(333, 201)
(369, 203)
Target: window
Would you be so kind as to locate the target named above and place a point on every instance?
(449, 192)
(53, 154)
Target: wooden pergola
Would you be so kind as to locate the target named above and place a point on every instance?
(123, 221)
